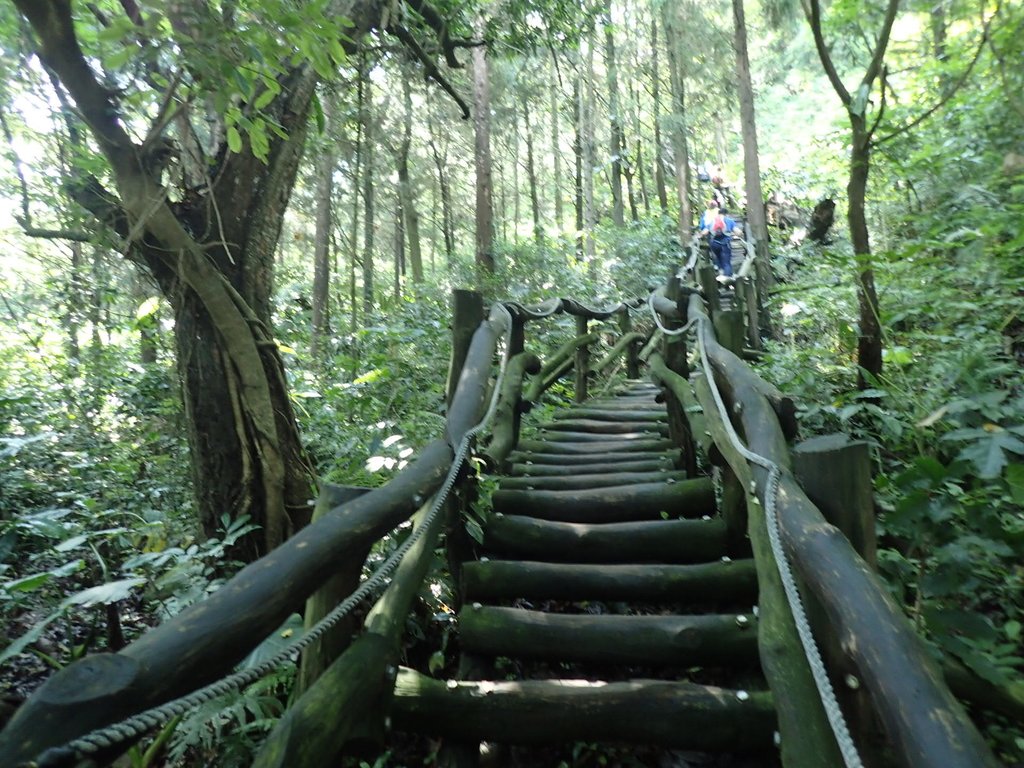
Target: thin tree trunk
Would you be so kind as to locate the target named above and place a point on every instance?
(353, 248)
(659, 156)
(869, 343)
(589, 160)
(482, 162)
(751, 161)
(443, 182)
(368, 201)
(680, 148)
(577, 150)
(399, 244)
(149, 327)
(322, 238)
(531, 174)
(615, 118)
(72, 316)
(410, 216)
(556, 151)
(515, 171)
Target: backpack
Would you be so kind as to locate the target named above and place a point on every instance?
(718, 225)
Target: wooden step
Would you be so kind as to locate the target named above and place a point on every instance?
(583, 481)
(645, 416)
(598, 427)
(616, 504)
(564, 459)
(728, 640)
(564, 436)
(649, 712)
(661, 541)
(605, 446)
(538, 469)
(722, 583)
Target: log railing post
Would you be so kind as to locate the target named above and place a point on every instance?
(709, 287)
(582, 363)
(467, 314)
(632, 359)
(675, 360)
(746, 296)
(729, 330)
(835, 473)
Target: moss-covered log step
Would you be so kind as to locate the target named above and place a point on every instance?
(584, 481)
(724, 583)
(661, 541)
(619, 405)
(535, 469)
(617, 504)
(563, 436)
(644, 415)
(728, 640)
(565, 459)
(604, 446)
(598, 427)
(650, 712)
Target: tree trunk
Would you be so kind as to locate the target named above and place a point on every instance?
(149, 327)
(353, 241)
(751, 161)
(556, 150)
(680, 148)
(399, 244)
(869, 344)
(444, 184)
(577, 151)
(322, 238)
(482, 162)
(368, 222)
(617, 142)
(659, 157)
(589, 160)
(531, 174)
(407, 202)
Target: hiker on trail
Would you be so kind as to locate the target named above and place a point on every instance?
(708, 216)
(720, 227)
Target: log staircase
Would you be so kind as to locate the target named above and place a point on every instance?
(607, 590)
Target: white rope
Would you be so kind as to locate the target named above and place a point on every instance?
(139, 724)
(847, 748)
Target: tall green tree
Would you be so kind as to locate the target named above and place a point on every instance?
(223, 93)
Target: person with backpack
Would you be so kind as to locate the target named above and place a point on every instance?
(708, 216)
(720, 228)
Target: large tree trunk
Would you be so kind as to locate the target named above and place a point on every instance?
(751, 161)
(617, 142)
(680, 147)
(212, 254)
(482, 162)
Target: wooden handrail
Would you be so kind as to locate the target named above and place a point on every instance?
(924, 722)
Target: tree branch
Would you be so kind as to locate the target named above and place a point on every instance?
(883, 42)
(432, 71)
(946, 96)
(813, 13)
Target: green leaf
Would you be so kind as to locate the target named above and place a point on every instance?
(1015, 479)
(436, 662)
(258, 140)
(473, 529)
(234, 139)
(104, 594)
(148, 308)
(318, 114)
